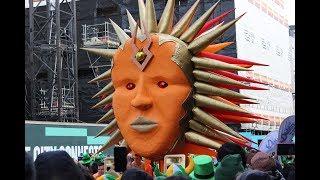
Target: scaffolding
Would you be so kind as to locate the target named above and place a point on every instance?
(51, 60)
(99, 36)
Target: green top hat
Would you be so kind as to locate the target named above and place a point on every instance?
(228, 168)
(203, 168)
(86, 159)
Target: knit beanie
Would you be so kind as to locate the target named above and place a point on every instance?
(229, 167)
(263, 162)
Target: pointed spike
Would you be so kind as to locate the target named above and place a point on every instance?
(212, 122)
(109, 115)
(235, 119)
(103, 102)
(218, 98)
(216, 47)
(203, 88)
(244, 65)
(108, 89)
(242, 86)
(106, 53)
(184, 22)
(214, 64)
(228, 59)
(114, 139)
(223, 113)
(151, 19)
(190, 33)
(212, 22)
(236, 76)
(166, 21)
(204, 101)
(142, 14)
(123, 37)
(209, 31)
(214, 78)
(241, 101)
(202, 129)
(104, 76)
(198, 139)
(199, 44)
(232, 137)
(112, 126)
(133, 24)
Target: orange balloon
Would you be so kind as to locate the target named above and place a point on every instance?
(148, 104)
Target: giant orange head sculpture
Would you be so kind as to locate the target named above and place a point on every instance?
(167, 86)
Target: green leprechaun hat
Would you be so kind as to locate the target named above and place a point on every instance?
(86, 159)
(203, 168)
(229, 167)
(99, 158)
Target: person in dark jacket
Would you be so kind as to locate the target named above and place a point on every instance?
(57, 165)
(30, 172)
(288, 170)
(263, 162)
(253, 175)
(232, 148)
(85, 171)
(135, 174)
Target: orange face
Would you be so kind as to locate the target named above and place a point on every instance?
(148, 104)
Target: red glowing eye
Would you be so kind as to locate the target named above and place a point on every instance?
(162, 84)
(130, 86)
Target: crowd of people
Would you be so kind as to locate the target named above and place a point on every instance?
(233, 163)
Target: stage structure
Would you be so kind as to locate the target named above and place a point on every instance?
(100, 36)
(51, 60)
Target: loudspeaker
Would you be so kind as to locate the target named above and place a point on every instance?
(120, 159)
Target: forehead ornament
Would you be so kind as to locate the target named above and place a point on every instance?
(141, 56)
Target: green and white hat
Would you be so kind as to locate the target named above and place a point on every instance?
(203, 169)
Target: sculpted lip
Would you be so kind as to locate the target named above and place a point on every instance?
(142, 124)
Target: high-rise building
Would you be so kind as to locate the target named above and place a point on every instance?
(262, 36)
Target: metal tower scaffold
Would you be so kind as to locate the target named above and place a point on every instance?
(52, 60)
(99, 36)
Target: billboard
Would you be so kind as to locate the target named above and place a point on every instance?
(74, 138)
(262, 36)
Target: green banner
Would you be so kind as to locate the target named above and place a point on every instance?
(75, 138)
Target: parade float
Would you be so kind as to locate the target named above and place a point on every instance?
(169, 90)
